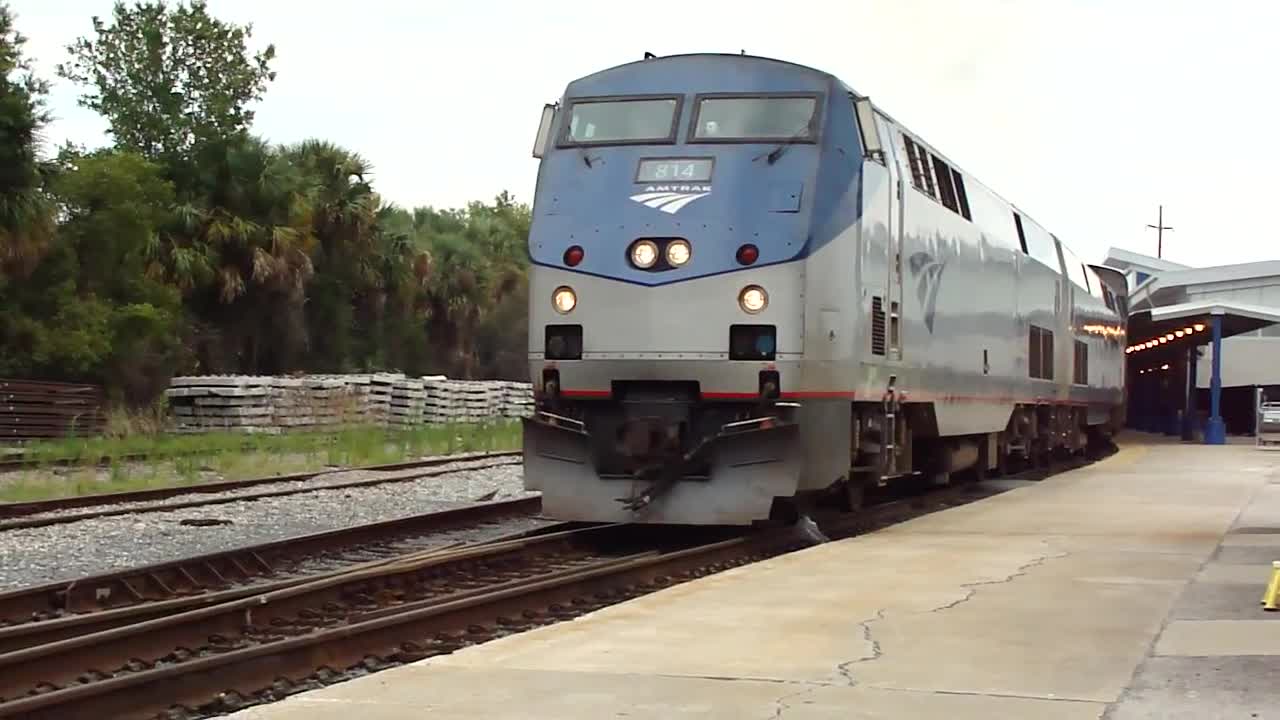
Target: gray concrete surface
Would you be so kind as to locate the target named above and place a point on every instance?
(1104, 592)
(1218, 656)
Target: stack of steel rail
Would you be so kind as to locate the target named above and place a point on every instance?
(31, 409)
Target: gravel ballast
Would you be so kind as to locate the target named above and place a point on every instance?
(33, 556)
(321, 480)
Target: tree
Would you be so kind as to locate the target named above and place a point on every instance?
(240, 250)
(168, 80)
(114, 205)
(26, 217)
(88, 311)
(480, 262)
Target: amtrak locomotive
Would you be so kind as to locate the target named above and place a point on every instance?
(750, 287)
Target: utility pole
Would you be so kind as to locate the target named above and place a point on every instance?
(1160, 228)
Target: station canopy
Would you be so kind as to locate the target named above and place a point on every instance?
(1169, 330)
(1174, 310)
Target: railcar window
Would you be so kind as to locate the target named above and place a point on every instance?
(960, 194)
(756, 119)
(1081, 368)
(1040, 353)
(946, 190)
(1096, 287)
(1040, 244)
(1075, 268)
(1022, 237)
(621, 121)
(932, 176)
(921, 173)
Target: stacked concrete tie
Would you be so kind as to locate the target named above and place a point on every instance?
(379, 397)
(275, 404)
(407, 396)
(452, 401)
(320, 400)
(517, 400)
(222, 402)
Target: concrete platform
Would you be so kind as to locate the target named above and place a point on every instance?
(1128, 589)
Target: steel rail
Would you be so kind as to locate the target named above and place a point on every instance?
(17, 462)
(17, 509)
(30, 513)
(66, 605)
(340, 622)
(259, 648)
(308, 607)
(416, 629)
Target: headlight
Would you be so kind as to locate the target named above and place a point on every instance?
(564, 299)
(678, 252)
(753, 299)
(644, 254)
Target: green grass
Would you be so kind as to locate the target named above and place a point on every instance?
(175, 460)
(367, 443)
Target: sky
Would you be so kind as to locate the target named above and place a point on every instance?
(1088, 114)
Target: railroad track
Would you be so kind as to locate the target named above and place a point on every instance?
(17, 462)
(14, 516)
(260, 643)
(426, 604)
(56, 611)
(257, 648)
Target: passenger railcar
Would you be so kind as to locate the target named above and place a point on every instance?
(751, 286)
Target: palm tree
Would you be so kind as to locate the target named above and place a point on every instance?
(481, 259)
(350, 284)
(26, 212)
(240, 249)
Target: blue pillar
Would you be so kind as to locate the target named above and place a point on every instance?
(1152, 391)
(1143, 410)
(1215, 433)
(1189, 414)
(1157, 414)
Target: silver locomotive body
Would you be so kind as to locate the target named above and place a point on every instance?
(725, 315)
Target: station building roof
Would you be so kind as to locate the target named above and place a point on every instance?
(1173, 297)
(1125, 260)
(1233, 281)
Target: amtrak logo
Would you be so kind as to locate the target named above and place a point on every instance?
(929, 272)
(671, 198)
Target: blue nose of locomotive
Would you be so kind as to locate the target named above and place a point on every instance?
(643, 155)
(745, 201)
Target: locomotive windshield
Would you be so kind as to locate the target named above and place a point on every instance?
(755, 119)
(604, 121)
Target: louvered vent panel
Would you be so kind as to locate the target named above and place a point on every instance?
(1082, 364)
(877, 326)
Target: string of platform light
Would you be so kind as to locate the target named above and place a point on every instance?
(1166, 338)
